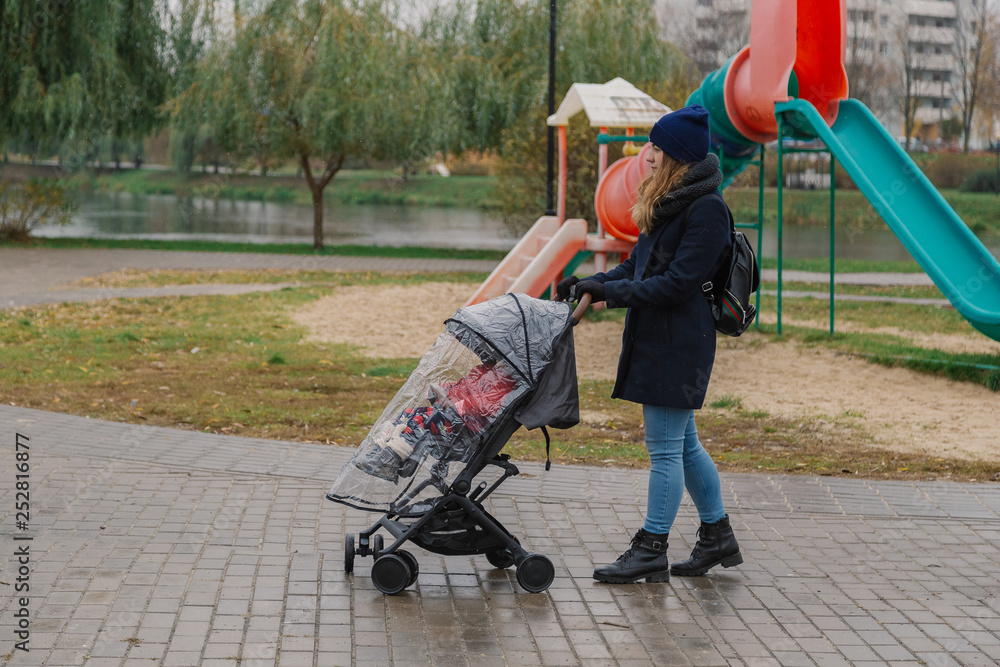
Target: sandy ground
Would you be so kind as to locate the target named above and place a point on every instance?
(900, 409)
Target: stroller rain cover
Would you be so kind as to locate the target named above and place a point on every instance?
(500, 364)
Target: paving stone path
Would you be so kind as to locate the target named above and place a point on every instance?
(30, 276)
(166, 547)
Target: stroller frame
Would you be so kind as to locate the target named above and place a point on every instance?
(395, 569)
(457, 512)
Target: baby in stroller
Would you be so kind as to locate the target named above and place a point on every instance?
(438, 427)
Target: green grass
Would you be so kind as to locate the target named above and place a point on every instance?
(822, 265)
(396, 370)
(727, 402)
(902, 291)
(898, 351)
(981, 369)
(236, 364)
(812, 208)
(268, 248)
(128, 278)
(222, 364)
(872, 315)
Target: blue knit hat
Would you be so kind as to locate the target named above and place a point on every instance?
(683, 134)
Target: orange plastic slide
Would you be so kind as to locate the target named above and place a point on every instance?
(536, 261)
(616, 195)
(802, 36)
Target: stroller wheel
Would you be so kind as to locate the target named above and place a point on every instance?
(500, 559)
(411, 560)
(391, 574)
(377, 545)
(349, 553)
(535, 573)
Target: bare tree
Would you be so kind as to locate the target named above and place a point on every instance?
(868, 70)
(915, 57)
(676, 20)
(976, 34)
(989, 107)
(707, 31)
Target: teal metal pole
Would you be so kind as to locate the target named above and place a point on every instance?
(722, 157)
(620, 138)
(833, 270)
(760, 224)
(781, 178)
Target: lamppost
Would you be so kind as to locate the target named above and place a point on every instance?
(550, 208)
(996, 181)
(941, 115)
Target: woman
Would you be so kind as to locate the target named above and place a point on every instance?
(668, 346)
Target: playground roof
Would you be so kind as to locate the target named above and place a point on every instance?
(616, 103)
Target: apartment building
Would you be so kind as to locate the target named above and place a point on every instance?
(920, 40)
(898, 52)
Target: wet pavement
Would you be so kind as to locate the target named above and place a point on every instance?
(159, 546)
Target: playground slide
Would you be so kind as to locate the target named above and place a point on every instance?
(958, 263)
(536, 261)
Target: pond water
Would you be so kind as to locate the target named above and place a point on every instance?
(165, 217)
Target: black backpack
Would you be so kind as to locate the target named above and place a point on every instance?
(738, 277)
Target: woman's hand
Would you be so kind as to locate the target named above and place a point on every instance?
(591, 287)
(564, 287)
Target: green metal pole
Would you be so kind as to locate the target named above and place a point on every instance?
(603, 138)
(722, 157)
(760, 224)
(833, 270)
(781, 177)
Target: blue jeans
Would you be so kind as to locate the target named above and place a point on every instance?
(678, 460)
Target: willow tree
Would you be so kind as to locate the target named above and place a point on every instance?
(598, 40)
(77, 72)
(495, 55)
(191, 27)
(321, 81)
(976, 35)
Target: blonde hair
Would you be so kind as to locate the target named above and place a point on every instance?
(654, 187)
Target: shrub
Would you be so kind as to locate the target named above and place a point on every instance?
(472, 163)
(949, 170)
(24, 206)
(521, 176)
(983, 180)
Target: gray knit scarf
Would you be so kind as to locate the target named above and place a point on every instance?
(701, 179)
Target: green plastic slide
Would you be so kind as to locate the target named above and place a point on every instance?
(958, 263)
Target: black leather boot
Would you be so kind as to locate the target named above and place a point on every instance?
(716, 546)
(645, 559)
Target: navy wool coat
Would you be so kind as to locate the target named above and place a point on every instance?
(668, 346)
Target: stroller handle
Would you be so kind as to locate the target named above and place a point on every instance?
(581, 308)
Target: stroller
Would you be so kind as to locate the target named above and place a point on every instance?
(434, 455)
